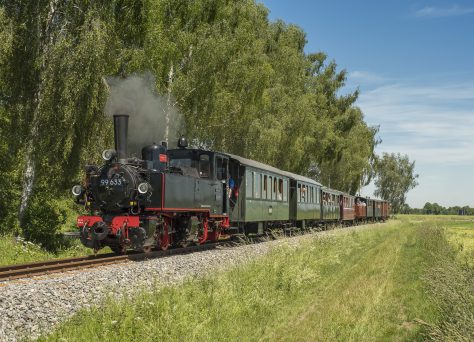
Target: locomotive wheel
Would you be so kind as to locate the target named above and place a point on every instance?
(185, 243)
(164, 246)
(118, 249)
(147, 249)
(163, 241)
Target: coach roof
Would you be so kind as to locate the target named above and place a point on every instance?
(265, 167)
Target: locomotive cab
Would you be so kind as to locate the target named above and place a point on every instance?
(207, 174)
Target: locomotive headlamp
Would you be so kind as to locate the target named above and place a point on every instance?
(108, 154)
(77, 190)
(143, 188)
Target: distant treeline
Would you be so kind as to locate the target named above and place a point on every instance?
(436, 209)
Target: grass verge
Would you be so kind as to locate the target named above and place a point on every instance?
(450, 286)
(19, 251)
(349, 286)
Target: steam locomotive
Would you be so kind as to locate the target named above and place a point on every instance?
(176, 197)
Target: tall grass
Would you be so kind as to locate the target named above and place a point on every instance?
(393, 282)
(344, 287)
(450, 285)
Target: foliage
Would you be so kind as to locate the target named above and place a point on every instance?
(43, 218)
(436, 209)
(395, 176)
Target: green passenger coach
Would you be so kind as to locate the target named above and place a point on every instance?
(263, 195)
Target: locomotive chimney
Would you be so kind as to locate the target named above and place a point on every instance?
(121, 132)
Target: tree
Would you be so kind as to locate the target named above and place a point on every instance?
(243, 84)
(395, 176)
(52, 92)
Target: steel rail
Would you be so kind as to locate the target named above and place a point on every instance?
(34, 269)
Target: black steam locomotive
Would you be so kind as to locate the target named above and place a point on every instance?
(180, 196)
(153, 201)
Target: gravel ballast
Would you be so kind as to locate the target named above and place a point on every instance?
(32, 307)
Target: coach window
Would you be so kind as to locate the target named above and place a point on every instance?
(264, 192)
(256, 185)
(280, 189)
(204, 166)
(249, 184)
(275, 182)
(269, 187)
(285, 190)
(298, 195)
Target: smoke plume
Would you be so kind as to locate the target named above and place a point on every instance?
(136, 97)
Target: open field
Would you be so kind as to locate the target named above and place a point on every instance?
(398, 281)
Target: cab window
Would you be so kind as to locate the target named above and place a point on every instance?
(204, 166)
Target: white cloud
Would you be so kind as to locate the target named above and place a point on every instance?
(434, 125)
(436, 12)
(365, 77)
(424, 121)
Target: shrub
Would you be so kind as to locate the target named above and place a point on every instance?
(43, 220)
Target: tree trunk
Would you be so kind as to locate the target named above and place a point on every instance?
(168, 104)
(29, 174)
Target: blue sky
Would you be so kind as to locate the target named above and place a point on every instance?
(413, 62)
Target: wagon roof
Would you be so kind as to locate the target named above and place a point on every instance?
(262, 166)
(334, 191)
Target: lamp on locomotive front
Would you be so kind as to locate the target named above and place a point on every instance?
(182, 142)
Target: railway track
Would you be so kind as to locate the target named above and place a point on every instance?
(35, 269)
(18, 271)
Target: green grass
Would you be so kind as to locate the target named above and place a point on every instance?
(18, 251)
(400, 281)
(351, 286)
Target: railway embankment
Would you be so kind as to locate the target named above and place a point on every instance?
(35, 306)
(403, 280)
